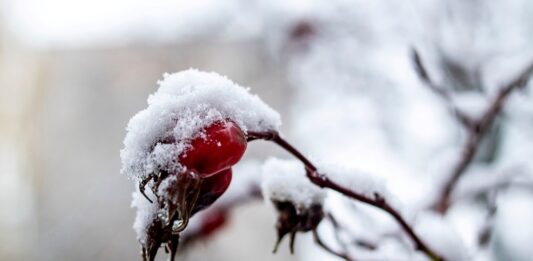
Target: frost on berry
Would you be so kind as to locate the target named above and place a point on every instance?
(297, 201)
(181, 148)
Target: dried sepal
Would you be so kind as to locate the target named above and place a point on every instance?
(293, 219)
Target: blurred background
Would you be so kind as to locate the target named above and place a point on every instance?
(340, 72)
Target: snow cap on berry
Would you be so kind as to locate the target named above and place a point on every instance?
(285, 181)
(185, 103)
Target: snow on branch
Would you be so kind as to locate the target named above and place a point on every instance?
(323, 180)
(365, 184)
(285, 180)
(482, 180)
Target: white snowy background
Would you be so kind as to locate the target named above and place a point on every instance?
(72, 73)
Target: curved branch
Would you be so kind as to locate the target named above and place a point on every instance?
(476, 134)
(440, 91)
(321, 243)
(323, 181)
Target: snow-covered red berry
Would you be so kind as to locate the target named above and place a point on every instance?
(180, 149)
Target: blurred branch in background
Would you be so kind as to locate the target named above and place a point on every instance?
(441, 91)
(476, 128)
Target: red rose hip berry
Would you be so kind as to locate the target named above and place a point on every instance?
(212, 188)
(221, 146)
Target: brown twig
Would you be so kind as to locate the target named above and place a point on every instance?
(357, 241)
(442, 92)
(321, 243)
(488, 226)
(476, 134)
(323, 181)
(337, 228)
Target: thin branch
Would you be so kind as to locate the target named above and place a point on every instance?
(440, 91)
(488, 226)
(321, 243)
(423, 74)
(338, 228)
(476, 134)
(323, 181)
